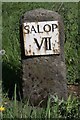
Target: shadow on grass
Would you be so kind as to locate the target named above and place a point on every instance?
(11, 76)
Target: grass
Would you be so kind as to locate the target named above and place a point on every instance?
(55, 109)
(11, 13)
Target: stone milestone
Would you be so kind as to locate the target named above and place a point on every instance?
(42, 52)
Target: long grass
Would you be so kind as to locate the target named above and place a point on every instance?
(11, 13)
(55, 108)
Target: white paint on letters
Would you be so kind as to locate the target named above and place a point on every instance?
(41, 38)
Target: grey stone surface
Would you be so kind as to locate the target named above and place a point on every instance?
(43, 75)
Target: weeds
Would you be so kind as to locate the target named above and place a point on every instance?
(11, 13)
(55, 109)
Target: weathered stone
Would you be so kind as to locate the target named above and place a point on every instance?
(43, 75)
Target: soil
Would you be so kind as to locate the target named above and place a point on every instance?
(74, 90)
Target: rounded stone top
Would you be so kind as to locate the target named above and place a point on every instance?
(40, 15)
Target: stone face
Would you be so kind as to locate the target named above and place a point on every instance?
(43, 75)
